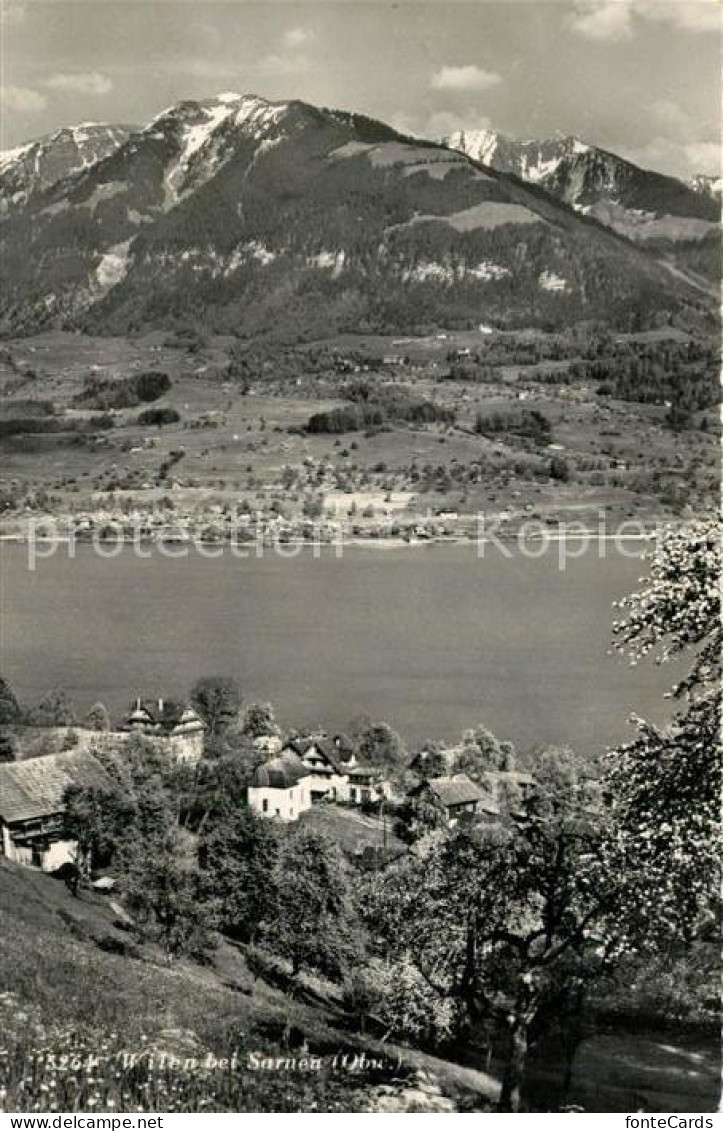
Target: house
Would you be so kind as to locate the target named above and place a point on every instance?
(177, 725)
(457, 796)
(310, 770)
(364, 784)
(32, 802)
(282, 787)
(327, 762)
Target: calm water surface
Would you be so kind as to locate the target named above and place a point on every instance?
(430, 638)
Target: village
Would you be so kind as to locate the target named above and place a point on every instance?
(285, 779)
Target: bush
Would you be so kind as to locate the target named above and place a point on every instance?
(158, 416)
(104, 393)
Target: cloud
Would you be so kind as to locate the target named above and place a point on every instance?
(678, 158)
(705, 157)
(440, 123)
(80, 82)
(616, 19)
(443, 123)
(298, 37)
(602, 19)
(469, 77)
(23, 100)
(669, 113)
(285, 64)
(688, 15)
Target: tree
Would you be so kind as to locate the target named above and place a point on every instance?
(54, 710)
(397, 994)
(8, 745)
(98, 819)
(9, 706)
(259, 721)
(143, 795)
(379, 745)
(315, 922)
(158, 416)
(217, 698)
(665, 786)
(98, 718)
(237, 854)
(482, 751)
(490, 914)
(164, 891)
(559, 469)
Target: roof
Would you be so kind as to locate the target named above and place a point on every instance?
(282, 772)
(510, 777)
(36, 787)
(298, 745)
(366, 772)
(165, 713)
(459, 790)
(324, 745)
(344, 747)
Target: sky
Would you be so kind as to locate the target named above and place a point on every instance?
(638, 77)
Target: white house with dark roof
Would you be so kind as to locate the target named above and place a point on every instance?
(326, 762)
(32, 803)
(282, 787)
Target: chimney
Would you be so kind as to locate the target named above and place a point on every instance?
(160, 706)
(138, 704)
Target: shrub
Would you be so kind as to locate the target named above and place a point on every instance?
(158, 416)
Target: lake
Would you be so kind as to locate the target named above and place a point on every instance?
(430, 638)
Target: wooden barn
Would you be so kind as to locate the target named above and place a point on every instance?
(31, 805)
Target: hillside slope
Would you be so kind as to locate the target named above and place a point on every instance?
(283, 217)
(74, 984)
(664, 215)
(93, 1022)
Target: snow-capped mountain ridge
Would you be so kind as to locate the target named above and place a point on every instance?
(678, 221)
(246, 213)
(29, 169)
(707, 185)
(531, 159)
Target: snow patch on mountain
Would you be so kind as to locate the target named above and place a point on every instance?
(480, 145)
(426, 272)
(9, 157)
(550, 281)
(446, 273)
(707, 185)
(329, 261)
(488, 272)
(113, 266)
(201, 134)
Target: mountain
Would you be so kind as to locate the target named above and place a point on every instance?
(707, 185)
(673, 220)
(30, 169)
(283, 217)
